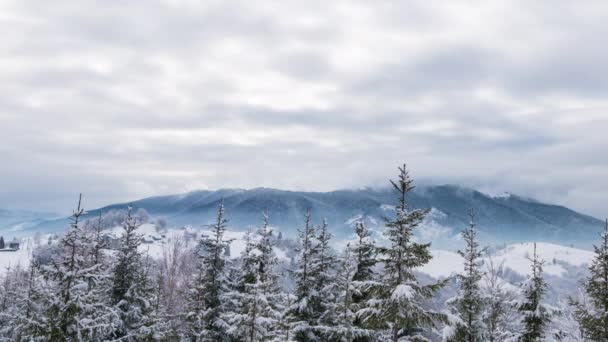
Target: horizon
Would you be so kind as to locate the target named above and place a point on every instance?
(368, 187)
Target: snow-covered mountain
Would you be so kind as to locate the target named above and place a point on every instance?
(502, 219)
(13, 221)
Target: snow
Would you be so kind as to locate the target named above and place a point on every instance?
(443, 264)
(515, 257)
(402, 291)
(20, 257)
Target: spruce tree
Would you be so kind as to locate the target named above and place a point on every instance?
(132, 292)
(258, 298)
(337, 322)
(365, 253)
(499, 314)
(468, 305)
(2, 242)
(76, 311)
(205, 306)
(593, 315)
(302, 313)
(23, 316)
(398, 299)
(535, 315)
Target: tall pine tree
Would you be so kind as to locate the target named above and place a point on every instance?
(303, 314)
(365, 253)
(76, 310)
(535, 315)
(132, 292)
(258, 298)
(593, 315)
(468, 305)
(206, 305)
(398, 301)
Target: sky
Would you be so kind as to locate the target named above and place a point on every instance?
(123, 100)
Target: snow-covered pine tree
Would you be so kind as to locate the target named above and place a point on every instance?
(205, 315)
(499, 314)
(271, 306)
(467, 306)
(75, 312)
(365, 253)
(592, 315)
(338, 320)
(132, 293)
(98, 243)
(398, 298)
(302, 313)
(25, 320)
(323, 266)
(258, 298)
(535, 315)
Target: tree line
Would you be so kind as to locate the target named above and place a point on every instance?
(365, 292)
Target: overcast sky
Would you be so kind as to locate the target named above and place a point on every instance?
(127, 99)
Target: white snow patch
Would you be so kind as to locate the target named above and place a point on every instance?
(515, 257)
(402, 291)
(443, 264)
(20, 257)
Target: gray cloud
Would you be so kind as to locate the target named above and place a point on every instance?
(140, 98)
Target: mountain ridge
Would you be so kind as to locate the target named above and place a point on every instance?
(501, 219)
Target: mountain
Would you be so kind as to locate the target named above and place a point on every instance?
(501, 219)
(12, 222)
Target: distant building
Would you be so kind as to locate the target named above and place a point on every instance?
(10, 247)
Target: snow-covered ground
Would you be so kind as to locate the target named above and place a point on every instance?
(514, 257)
(442, 265)
(20, 257)
(155, 242)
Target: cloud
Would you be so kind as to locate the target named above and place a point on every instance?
(140, 98)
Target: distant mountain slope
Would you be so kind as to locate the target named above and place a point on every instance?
(14, 221)
(501, 219)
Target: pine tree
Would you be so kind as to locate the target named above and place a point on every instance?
(205, 308)
(338, 319)
(593, 315)
(536, 316)
(132, 291)
(2, 242)
(398, 300)
(468, 305)
(302, 313)
(75, 311)
(323, 266)
(499, 314)
(26, 321)
(258, 299)
(365, 254)
(365, 251)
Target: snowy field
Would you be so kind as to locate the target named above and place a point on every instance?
(443, 264)
(514, 257)
(19, 258)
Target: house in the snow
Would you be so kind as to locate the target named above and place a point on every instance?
(13, 245)
(10, 247)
